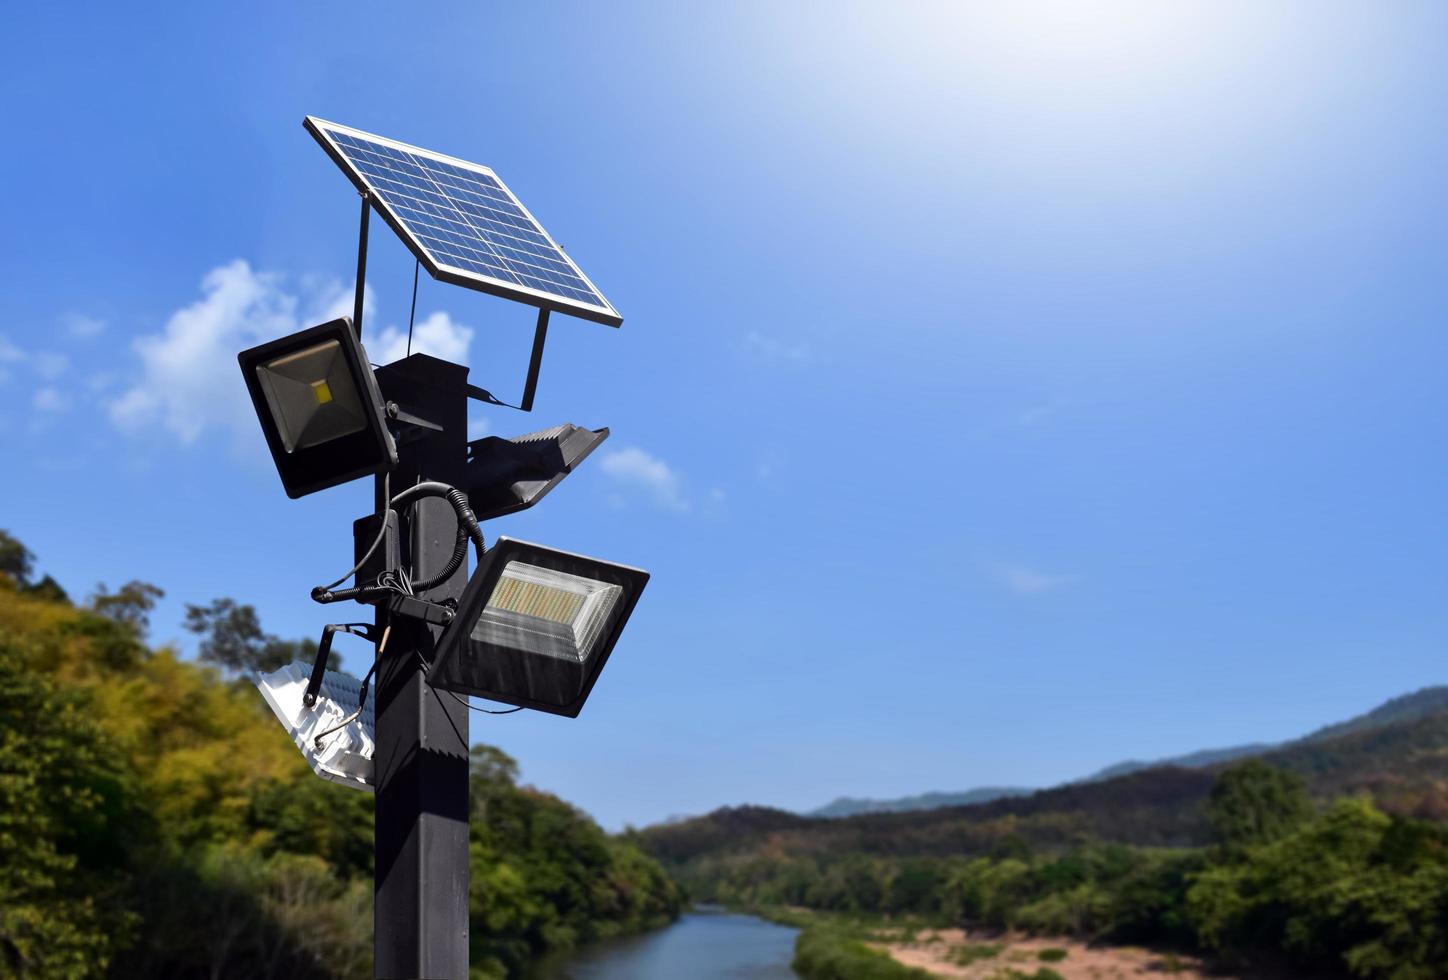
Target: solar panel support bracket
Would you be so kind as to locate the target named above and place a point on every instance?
(361, 287)
(535, 363)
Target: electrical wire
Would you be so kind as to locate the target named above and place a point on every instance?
(468, 526)
(487, 711)
(361, 695)
(376, 542)
(413, 315)
(426, 669)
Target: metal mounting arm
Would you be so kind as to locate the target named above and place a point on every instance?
(361, 267)
(324, 651)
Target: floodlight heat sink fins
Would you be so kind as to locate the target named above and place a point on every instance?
(345, 755)
(462, 222)
(509, 475)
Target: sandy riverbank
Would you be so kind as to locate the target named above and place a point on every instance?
(967, 956)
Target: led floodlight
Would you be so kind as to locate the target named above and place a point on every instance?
(345, 755)
(535, 626)
(319, 407)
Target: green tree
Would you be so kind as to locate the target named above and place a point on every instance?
(16, 560)
(232, 639)
(60, 796)
(1254, 803)
(130, 605)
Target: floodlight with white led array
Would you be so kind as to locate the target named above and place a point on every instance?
(535, 626)
(319, 407)
(346, 751)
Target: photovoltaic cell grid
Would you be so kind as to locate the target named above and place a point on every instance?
(464, 218)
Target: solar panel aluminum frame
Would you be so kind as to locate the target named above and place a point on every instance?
(449, 671)
(605, 314)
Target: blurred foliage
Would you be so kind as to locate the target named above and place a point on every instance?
(156, 822)
(826, 951)
(232, 639)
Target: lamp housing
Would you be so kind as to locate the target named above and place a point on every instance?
(319, 407)
(509, 475)
(345, 755)
(535, 626)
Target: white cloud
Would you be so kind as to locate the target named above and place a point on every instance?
(769, 466)
(9, 353)
(80, 325)
(438, 335)
(50, 400)
(189, 379)
(773, 349)
(632, 467)
(49, 364)
(1026, 581)
(331, 298)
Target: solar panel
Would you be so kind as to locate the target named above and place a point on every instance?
(463, 223)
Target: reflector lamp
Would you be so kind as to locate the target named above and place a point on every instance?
(319, 407)
(535, 626)
(345, 755)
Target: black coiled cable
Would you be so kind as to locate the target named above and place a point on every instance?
(468, 530)
(468, 527)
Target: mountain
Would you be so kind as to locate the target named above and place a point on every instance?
(1194, 760)
(849, 806)
(1405, 708)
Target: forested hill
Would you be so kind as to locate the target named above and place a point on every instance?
(155, 821)
(1408, 707)
(848, 806)
(1328, 856)
(1402, 764)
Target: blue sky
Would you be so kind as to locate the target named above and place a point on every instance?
(1003, 391)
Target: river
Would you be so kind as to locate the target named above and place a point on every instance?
(702, 945)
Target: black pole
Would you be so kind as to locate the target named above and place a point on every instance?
(361, 267)
(420, 919)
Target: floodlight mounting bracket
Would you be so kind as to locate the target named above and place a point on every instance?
(437, 613)
(367, 631)
(408, 426)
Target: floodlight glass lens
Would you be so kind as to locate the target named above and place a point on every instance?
(311, 396)
(545, 611)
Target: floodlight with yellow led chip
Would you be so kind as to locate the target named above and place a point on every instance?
(319, 407)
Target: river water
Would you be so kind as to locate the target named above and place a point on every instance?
(702, 945)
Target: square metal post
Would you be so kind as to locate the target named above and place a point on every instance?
(420, 920)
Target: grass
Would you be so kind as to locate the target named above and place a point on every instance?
(823, 952)
(974, 953)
